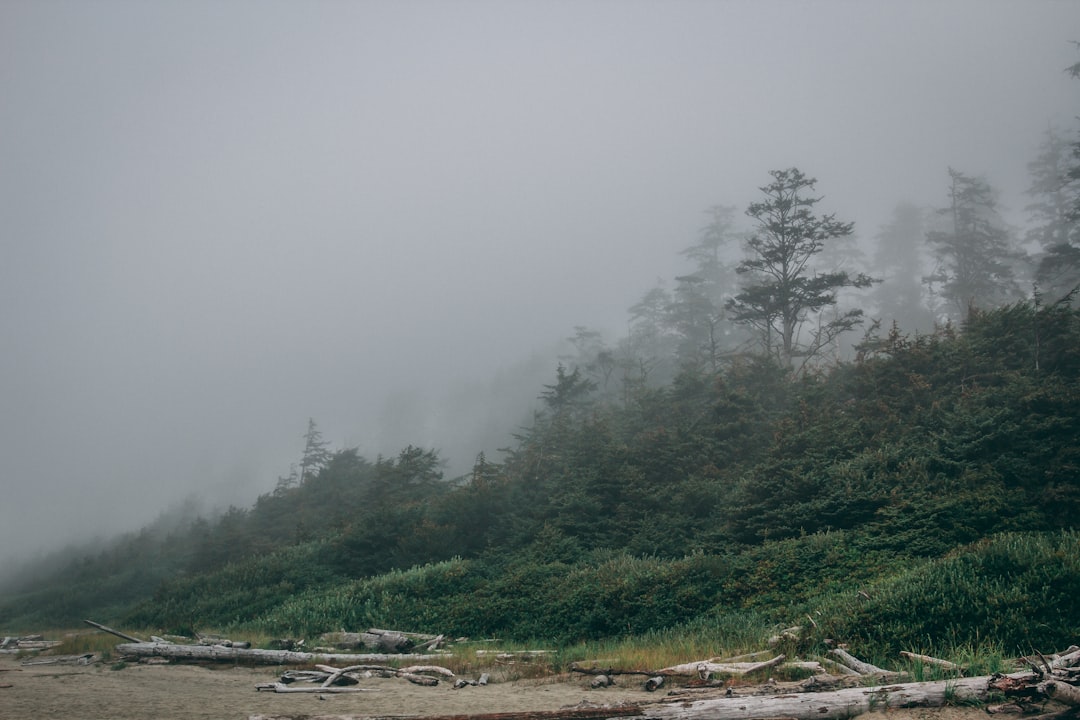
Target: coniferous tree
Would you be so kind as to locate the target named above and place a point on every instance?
(899, 297)
(697, 313)
(783, 289)
(974, 251)
(1055, 210)
(316, 454)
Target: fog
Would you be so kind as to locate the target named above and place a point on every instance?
(218, 219)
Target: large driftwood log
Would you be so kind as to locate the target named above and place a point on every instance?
(283, 688)
(258, 657)
(1062, 692)
(571, 713)
(387, 641)
(837, 705)
(701, 668)
(707, 667)
(834, 705)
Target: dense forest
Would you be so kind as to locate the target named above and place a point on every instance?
(888, 445)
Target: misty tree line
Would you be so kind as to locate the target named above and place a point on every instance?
(786, 296)
(721, 421)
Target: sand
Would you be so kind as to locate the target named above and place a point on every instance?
(172, 692)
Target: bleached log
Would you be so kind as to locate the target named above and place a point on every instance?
(258, 657)
(930, 660)
(425, 680)
(1062, 692)
(863, 668)
(839, 668)
(570, 713)
(421, 669)
(1067, 659)
(706, 667)
(835, 705)
(283, 688)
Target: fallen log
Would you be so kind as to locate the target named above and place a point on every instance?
(863, 668)
(945, 664)
(588, 712)
(84, 659)
(219, 653)
(704, 668)
(835, 705)
(283, 688)
(700, 668)
(1062, 692)
(388, 641)
(117, 633)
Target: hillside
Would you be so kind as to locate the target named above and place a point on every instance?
(925, 492)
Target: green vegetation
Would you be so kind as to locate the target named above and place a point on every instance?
(919, 498)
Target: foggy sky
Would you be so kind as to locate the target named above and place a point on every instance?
(218, 219)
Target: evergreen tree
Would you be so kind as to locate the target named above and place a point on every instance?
(899, 297)
(973, 250)
(1055, 210)
(315, 455)
(783, 289)
(696, 313)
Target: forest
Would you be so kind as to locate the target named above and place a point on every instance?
(888, 447)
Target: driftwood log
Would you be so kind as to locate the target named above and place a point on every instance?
(257, 657)
(117, 633)
(926, 659)
(700, 668)
(863, 668)
(384, 641)
(834, 705)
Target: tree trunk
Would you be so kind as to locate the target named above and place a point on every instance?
(258, 657)
(570, 713)
(117, 633)
(836, 705)
(857, 665)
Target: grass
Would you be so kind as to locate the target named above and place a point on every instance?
(81, 642)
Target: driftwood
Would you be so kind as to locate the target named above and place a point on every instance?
(863, 668)
(705, 668)
(586, 712)
(930, 660)
(835, 705)
(258, 657)
(387, 641)
(117, 633)
(1062, 692)
(701, 668)
(84, 659)
(283, 688)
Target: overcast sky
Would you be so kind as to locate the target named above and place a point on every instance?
(218, 219)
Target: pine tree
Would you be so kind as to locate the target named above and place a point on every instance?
(315, 455)
(974, 251)
(783, 289)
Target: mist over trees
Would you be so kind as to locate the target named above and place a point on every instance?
(778, 420)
